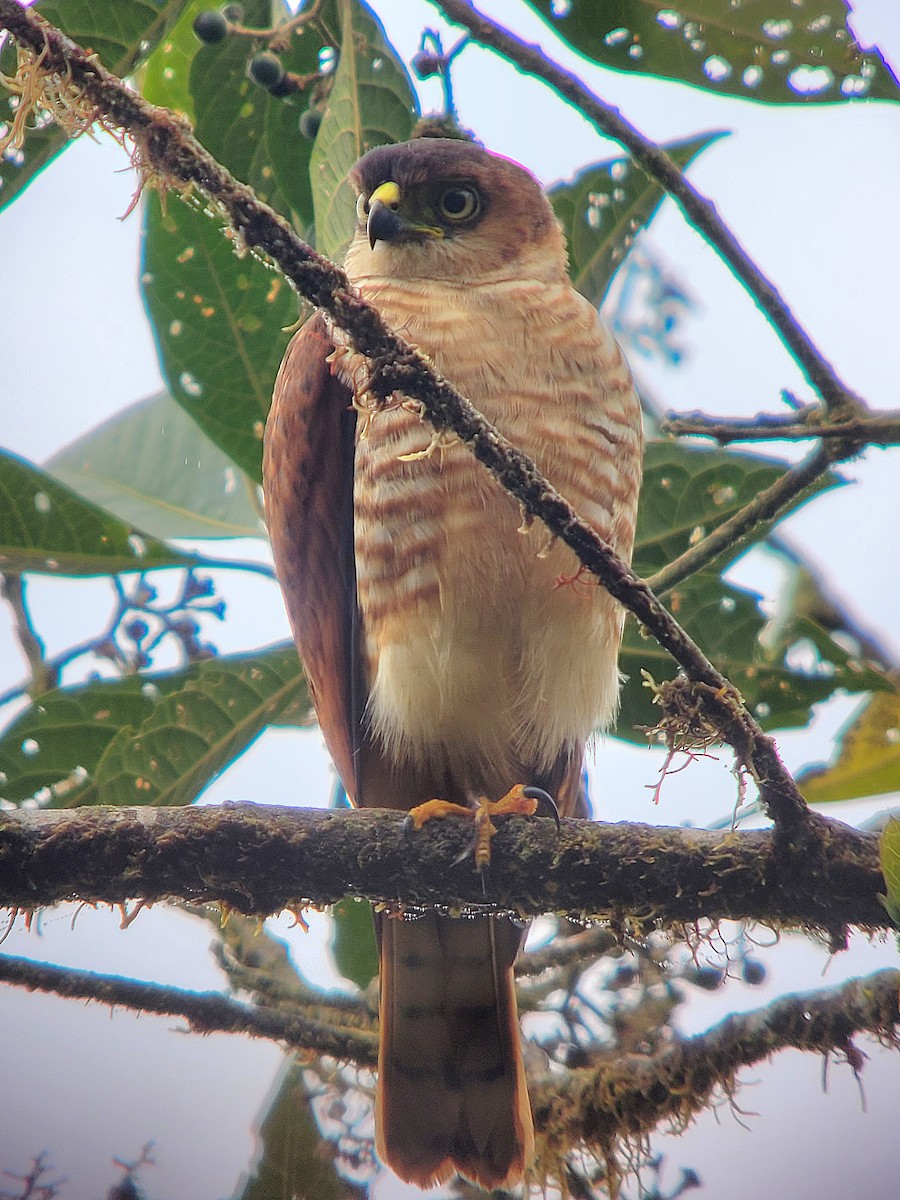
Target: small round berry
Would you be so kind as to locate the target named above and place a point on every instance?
(234, 13)
(753, 972)
(210, 26)
(137, 629)
(309, 123)
(265, 69)
(708, 978)
(425, 64)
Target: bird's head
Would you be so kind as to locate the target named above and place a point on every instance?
(437, 208)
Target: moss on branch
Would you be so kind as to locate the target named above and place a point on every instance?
(260, 859)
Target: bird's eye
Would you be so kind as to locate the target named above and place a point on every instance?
(362, 207)
(458, 203)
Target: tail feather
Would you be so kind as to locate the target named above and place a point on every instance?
(451, 1088)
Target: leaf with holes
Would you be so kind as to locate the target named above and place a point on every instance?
(603, 208)
(868, 760)
(48, 529)
(57, 742)
(689, 491)
(156, 739)
(121, 32)
(197, 729)
(166, 76)
(218, 321)
(153, 466)
(371, 102)
(251, 132)
(779, 684)
(779, 51)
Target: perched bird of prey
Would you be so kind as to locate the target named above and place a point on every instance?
(451, 651)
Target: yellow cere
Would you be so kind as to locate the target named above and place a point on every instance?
(388, 193)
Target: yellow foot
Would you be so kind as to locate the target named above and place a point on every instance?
(516, 801)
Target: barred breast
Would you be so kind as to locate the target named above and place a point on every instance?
(484, 651)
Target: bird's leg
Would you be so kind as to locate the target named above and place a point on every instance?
(521, 800)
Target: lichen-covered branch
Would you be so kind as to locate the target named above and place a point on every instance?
(626, 1097)
(260, 859)
(876, 428)
(205, 1012)
(654, 161)
(169, 154)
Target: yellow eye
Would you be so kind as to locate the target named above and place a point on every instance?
(458, 203)
(362, 208)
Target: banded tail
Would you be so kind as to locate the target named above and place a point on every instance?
(451, 1082)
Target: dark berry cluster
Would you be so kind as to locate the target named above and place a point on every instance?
(265, 68)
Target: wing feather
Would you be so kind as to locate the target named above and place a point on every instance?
(308, 483)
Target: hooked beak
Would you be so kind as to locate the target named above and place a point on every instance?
(385, 222)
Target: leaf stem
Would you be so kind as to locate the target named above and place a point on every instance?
(730, 535)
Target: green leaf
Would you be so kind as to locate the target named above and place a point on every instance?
(121, 32)
(777, 51)
(779, 684)
(148, 740)
(371, 102)
(165, 78)
(353, 941)
(890, 868)
(48, 529)
(252, 133)
(219, 326)
(602, 209)
(58, 741)
(293, 1158)
(689, 491)
(219, 320)
(868, 761)
(154, 467)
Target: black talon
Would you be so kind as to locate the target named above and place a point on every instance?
(485, 873)
(546, 805)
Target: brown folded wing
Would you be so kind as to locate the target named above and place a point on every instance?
(308, 483)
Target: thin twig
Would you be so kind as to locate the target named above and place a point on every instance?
(733, 533)
(700, 211)
(878, 428)
(170, 155)
(43, 674)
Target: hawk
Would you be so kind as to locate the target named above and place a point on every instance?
(452, 652)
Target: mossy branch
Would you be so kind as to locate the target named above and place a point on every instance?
(205, 1012)
(626, 1097)
(260, 859)
(618, 1097)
